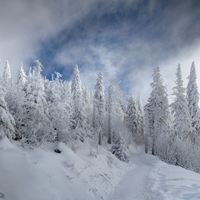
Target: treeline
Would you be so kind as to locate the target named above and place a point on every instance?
(173, 131)
(35, 110)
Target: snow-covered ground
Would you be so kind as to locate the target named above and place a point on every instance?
(42, 174)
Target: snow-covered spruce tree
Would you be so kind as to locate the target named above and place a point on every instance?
(6, 73)
(88, 106)
(79, 118)
(99, 107)
(6, 120)
(109, 111)
(131, 115)
(118, 114)
(15, 98)
(35, 125)
(119, 148)
(140, 122)
(21, 79)
(7, 82)
(193, 103)
(157, 110)
(181, 118)
(147, 128)
(115, 115)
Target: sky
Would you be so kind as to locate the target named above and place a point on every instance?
(125, 39)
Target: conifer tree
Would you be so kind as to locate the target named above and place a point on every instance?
(6, 120)
(79, 117)
(110, 108)
(35, 125)
(119, 148)
(59, 110)
(21, 79)
(182, 121)
(131, 116)
(157, 109)
(6, 72)
(193, 101)
(140, 121)
(99, 107)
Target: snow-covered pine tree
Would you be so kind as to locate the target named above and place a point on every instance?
(88, 103)
(35, 125)
(6, 73)
(157, 109)
(76, 88)
(6, 120)
(182, 121)
(79, 117)
(119, 148)
(99, 107)
(140, 122)
(7, 82)
(147, 128)
(21, 79)
(193, 102)
(59, 110)
(115, 114)
(131, 115)
(109, 111)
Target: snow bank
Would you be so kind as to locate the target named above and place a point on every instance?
(175, 183)
(43, 174)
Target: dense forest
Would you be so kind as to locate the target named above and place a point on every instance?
(35, 110)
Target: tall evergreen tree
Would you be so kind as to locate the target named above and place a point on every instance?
(110, 117)
(140, 121)
(193, 101)
(35, 125)
(59, 111)
(99, 107)
(157, 109)
(131, 120)
(6, 72)
(79, 117)
(21, 79)
(182, 121)
(6, 120)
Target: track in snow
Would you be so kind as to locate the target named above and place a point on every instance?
(137, 184)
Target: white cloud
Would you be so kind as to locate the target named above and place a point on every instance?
(25, 24)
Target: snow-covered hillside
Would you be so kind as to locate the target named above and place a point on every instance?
(42, 174)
